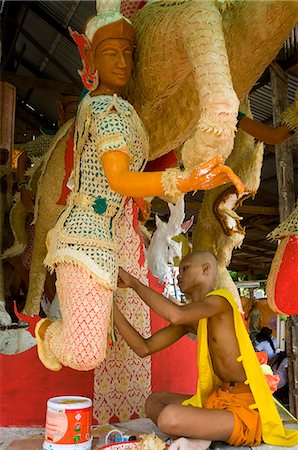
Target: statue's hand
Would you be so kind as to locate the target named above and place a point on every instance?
(209, 175)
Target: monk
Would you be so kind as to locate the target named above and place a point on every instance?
(233, 402)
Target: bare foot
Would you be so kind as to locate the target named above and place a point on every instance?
(189, 444)
(48, 359)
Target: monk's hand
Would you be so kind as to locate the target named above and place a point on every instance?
(125, 280)
(209, 175)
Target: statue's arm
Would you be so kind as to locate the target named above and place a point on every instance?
(172, 182)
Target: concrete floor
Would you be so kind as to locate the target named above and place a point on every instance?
(8, 435)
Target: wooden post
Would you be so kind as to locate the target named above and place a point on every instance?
(283, 152)
(286, 195)
(7, 100)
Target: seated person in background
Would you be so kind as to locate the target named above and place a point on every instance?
(279, 366)
(233, 402)
(265, 342)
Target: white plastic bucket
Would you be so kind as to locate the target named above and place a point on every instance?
(68, 423)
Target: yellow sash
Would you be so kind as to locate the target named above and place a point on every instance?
(273, 432)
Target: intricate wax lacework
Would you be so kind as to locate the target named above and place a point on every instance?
(80, 340)
(288, 227)
(122, 382)
(85, 232)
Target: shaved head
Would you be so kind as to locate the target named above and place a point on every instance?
(204, 258)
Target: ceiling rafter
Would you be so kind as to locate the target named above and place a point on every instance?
(40, 83)
(48, 19)
(20, 21)
(59, 66)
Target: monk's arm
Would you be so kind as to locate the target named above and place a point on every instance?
(175, 314)
(143, 347)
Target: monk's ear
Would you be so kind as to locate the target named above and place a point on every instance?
(90, 58)
(206, 268)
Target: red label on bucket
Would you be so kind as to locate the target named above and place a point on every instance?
(69, 426)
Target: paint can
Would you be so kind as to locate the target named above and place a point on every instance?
(68, 423)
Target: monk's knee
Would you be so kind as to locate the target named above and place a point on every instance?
(168, 420)
(152, 401)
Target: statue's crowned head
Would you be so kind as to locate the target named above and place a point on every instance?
(109, 23)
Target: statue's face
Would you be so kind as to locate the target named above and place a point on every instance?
(113, 60)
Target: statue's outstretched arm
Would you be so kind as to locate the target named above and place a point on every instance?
(171, 182)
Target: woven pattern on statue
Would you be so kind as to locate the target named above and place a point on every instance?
(130, 7)
(80, 341)
(122, 382)
(164, 89)
(26, 256)
(85, 232)
(38, 147)
(176, 67)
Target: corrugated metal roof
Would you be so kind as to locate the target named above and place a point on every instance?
(261, 99)
(74, 13)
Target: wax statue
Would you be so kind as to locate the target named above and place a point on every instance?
(168, 95)
(111, 148)
(282, 281)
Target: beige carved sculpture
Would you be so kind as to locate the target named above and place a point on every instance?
(169, 79)
(186, 95)
(110, 152)
(218, 228)
(46, 212)
(178, 83)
